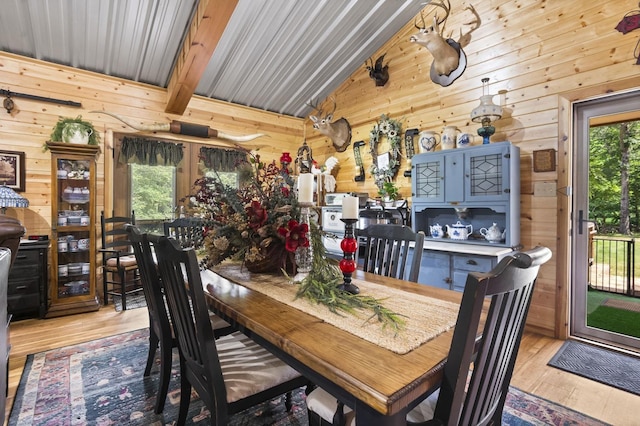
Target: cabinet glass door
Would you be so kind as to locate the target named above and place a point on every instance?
(73, 228)
(488, 175)
(428, 181)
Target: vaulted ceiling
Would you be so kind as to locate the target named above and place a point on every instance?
(274, 55)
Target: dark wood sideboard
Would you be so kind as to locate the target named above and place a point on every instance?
(29, 281)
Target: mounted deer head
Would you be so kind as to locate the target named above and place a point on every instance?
(338, 131)
(449, 60)
(378, 72)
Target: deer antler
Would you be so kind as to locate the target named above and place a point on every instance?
(334, 107)
(441, 4)
(446, 7)
(415, 22)
(314, 105)
(366, 63)
(476, 22)
(465, 38)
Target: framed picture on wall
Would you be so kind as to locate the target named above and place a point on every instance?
(12, 171)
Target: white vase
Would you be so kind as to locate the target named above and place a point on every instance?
(449, 137)
(76, 133)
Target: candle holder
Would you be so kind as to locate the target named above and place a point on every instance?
(349, 246)
(304, 255)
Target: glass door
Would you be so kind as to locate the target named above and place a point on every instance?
(73, 239)
(597, 311)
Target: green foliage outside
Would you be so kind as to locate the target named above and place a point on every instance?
(152, 192)
(153, 196)
(611, 158)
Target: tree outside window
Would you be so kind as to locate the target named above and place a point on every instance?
(153, 192)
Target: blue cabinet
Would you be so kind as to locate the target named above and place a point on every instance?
(434, 269)
(447, 265)
(478, 186)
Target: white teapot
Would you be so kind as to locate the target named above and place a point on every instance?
(458, 231)
(436, 231)
(493, 234)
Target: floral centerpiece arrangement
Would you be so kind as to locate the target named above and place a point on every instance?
(256, 223)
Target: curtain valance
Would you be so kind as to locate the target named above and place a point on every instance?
(222, 160)
(150, 152)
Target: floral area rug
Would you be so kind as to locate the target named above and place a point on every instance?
(101, 383)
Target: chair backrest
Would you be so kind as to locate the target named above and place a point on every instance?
(387, 250)
(11, 230)
(114, 235)
(151, 285)
(188, 231)
(509, 287)
(191, 326)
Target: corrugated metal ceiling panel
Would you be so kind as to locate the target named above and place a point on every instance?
(279, 54)
(135, 40)
(274, 55)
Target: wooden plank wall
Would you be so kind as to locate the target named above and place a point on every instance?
(542, 54)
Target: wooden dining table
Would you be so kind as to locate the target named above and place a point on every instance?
(379, 384)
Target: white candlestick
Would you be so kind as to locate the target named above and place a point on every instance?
(350, 207)
(305, 188)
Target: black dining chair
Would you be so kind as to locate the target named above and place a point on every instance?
(231, 373)
(188, 231)
(387, 250)
(120, 276)
(478, 369)
(160, 329)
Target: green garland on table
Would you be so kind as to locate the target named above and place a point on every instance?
(392, 129)
(321, 287)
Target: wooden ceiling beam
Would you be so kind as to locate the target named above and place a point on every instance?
(204, 34)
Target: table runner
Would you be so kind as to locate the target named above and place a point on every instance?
(425, 317)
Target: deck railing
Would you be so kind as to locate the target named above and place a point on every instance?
(612, 266)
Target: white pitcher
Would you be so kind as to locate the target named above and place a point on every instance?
(76, 133)
(449, 137)
(428, 141)
(464, 140)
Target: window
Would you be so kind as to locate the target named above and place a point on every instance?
(227, 178)
(153, 193)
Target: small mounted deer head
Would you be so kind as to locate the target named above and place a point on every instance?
(449, 60)
(378, 72)
(338, 131)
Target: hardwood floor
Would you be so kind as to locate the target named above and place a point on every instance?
(531, 374)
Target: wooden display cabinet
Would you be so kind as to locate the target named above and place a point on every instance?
(73, 212)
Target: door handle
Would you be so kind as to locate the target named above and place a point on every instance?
(581, 220)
